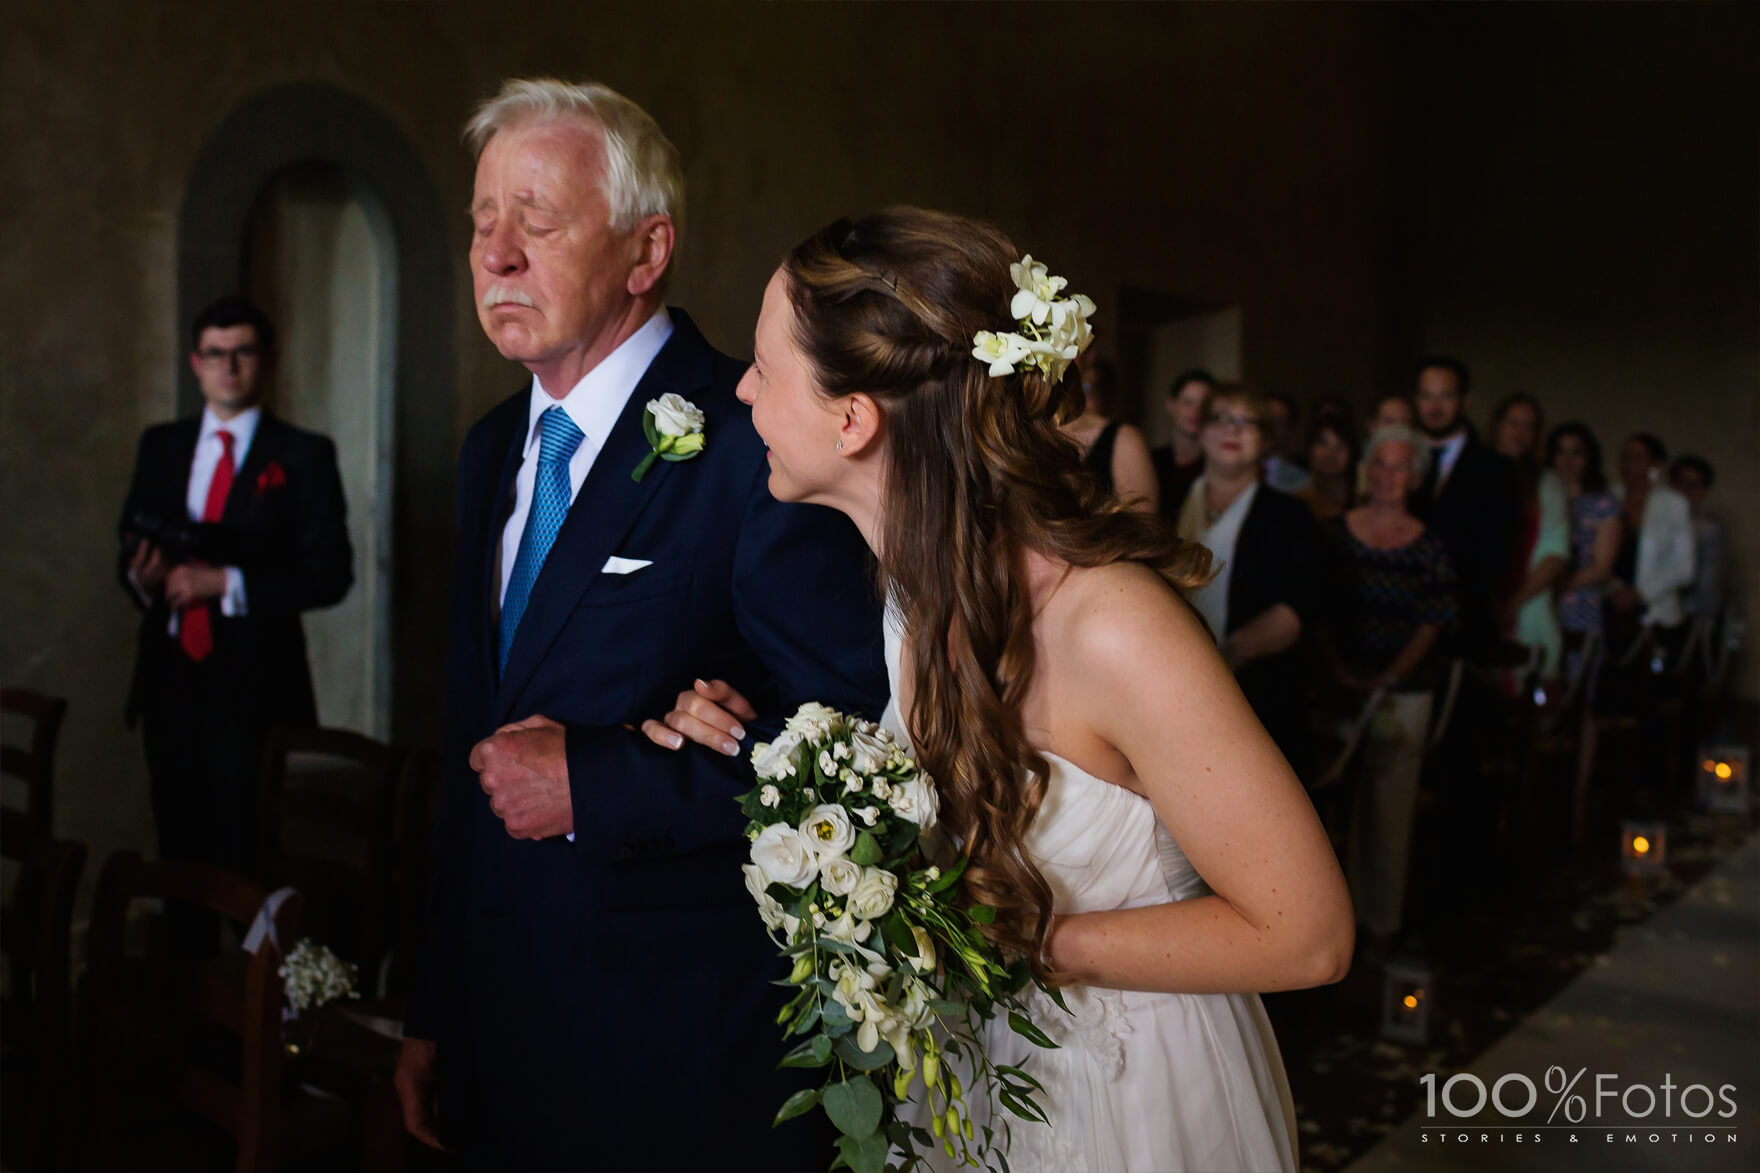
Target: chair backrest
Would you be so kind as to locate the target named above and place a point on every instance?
(34, 763)
(35, 938)
(418, 792)
(241, 995)
(325, 821)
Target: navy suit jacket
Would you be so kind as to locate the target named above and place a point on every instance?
(606, 1003)
(288, 535)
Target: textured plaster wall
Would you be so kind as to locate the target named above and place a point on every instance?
(1251, 156)
(1227, 154)
(1593, 230)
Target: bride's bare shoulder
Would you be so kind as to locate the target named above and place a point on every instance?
(1118, 611)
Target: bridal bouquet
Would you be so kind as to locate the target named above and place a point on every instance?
(892, 976)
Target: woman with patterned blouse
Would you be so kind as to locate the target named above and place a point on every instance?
(1396, 596)
(1573, 453)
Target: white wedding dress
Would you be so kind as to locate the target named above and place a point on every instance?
(1139, 1082)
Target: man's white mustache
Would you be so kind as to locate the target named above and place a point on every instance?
(497, 294)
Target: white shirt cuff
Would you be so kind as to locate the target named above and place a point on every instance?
(140, 592)
(232, 603)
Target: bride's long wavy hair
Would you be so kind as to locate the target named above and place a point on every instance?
(977, 473)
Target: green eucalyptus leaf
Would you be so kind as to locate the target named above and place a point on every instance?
(866, 852)
(815, 1052)
(944, 1007)
(1023, 1026)
(982, 914)
(796, 1104)
(847, 1050)
(854, 1107)
(866, 1155)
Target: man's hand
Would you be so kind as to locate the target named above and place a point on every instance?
(523, 769)
(414, 1080)
(149, 568)
(194, 584)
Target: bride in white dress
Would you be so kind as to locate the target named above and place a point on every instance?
(1079, 722)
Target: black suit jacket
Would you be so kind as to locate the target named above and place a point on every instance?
(1276, 560)
(1477, 516)
(581, 992)
(284, 526)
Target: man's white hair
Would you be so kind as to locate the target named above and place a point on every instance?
(643, 175)
(1402, 434)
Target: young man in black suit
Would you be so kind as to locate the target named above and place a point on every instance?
(1469, 500)
(234, 525)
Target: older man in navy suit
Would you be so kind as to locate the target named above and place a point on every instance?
(593, 991)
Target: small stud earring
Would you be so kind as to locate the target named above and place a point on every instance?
(840, 445)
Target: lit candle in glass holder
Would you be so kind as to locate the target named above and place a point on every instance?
(1405, 1002)
(1643, 848)
(1723, 779)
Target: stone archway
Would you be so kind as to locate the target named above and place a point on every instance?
(259, 140)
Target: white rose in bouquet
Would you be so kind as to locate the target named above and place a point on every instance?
(916, 801)
(774, 760)
(674, 415)
(869, 752)
(768, 907)
(839, 876)
(872, 897)
(827, 831)
(812, 722)
(784, 856)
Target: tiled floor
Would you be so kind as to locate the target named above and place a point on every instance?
(1678, 997)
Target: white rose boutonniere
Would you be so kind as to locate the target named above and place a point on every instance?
(674, 427)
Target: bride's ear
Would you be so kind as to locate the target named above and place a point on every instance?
(862, 424)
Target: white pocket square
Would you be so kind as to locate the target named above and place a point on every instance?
(615, 565)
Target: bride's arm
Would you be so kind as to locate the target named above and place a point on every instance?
(1144, 677)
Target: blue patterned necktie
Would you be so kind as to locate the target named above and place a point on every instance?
(558, 438)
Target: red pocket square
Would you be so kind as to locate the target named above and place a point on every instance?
(271, 478)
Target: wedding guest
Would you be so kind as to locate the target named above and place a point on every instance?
(577, 868)
(1468, 498)
(1182, 461)
(1333, 456)
(1573, 454)
(1265, 547)
(1283, 470)
(1397, 598)
(1390, 410)
(1114, 452)
(1692, 477)
(1528, 615)
(234, 525)
(1656, 552)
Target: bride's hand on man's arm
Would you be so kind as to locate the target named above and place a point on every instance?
(709, 713)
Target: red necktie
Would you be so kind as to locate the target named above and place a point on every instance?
(195, 626)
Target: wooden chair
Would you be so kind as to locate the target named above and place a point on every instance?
(325, 814)
(418, 793)
(182, 1061)
(35, 1064)
(35, 764)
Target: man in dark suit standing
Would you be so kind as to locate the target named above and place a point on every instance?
(1469, 499)
(234, 525)
(593, 990)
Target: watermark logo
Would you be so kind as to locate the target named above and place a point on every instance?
(1579, 1106)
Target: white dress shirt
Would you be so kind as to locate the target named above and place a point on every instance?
(1666, 557)
(593, 404)
(209, 448)
(1445, 453)
(1219, 537)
